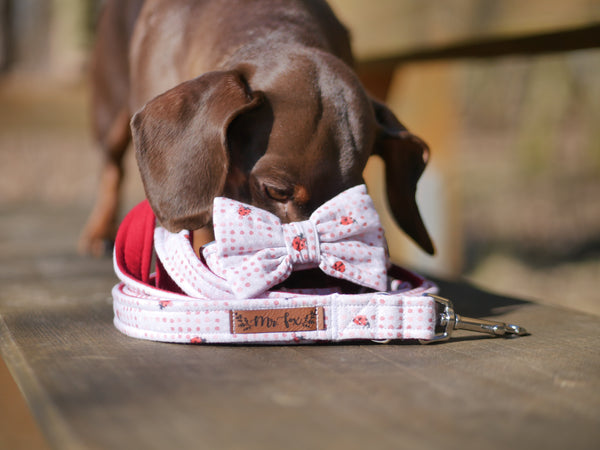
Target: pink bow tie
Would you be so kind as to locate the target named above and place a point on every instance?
(343, 237)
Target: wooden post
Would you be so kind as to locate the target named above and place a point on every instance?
(423, 97)
(68, 50)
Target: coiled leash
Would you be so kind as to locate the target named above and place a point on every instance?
(236, 291)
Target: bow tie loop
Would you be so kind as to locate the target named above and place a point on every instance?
(302, 243)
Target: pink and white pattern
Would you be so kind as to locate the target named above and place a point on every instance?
(202, 314)
(157, 315)
(255, 251)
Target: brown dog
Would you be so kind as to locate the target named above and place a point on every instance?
(254, 100)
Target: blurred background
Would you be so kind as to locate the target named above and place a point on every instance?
(511, 196)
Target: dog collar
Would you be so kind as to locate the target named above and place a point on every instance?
(171, 306)
(183, 301)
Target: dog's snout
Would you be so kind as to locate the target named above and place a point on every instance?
(287, 200)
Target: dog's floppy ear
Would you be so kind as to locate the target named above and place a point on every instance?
(180, 140)
(405, 156)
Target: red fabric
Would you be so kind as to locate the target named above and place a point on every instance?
(134, 242)
(400, 273)
(134, 247)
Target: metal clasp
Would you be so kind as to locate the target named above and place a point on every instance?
(449, 321)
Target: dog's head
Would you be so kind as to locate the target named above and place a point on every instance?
(286, 145)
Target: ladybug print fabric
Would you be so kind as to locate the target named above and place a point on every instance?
(254, 251)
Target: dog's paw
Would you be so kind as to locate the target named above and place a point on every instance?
(96, 246)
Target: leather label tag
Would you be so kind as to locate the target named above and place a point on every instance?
(277, 320)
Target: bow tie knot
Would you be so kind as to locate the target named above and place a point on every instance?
(254, 251)
(302, 243)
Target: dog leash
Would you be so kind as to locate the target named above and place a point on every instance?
(233, 293)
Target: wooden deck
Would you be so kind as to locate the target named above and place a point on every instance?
(89, 386)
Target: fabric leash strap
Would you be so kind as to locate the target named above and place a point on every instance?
(172, 318)
(152, 306)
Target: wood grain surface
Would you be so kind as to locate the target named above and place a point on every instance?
(91, 387)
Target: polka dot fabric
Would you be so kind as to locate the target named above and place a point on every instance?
(255, 251)
(147, 314)
(202, 310)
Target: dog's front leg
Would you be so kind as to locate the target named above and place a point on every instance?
(100, 229)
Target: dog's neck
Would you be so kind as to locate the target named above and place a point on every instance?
(202, 237)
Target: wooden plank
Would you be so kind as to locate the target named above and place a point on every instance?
(18, 430)
(387, 28)
(91, 387)
(551, 42)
